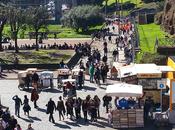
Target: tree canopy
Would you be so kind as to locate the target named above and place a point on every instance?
(16, 19)
(3, 20)
(90, 2)
(36, 19)
(83, 17)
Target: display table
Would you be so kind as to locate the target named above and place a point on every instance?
(127, 118)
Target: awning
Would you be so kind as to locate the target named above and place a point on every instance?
(141, 70)
(124, 90)
(166, 69)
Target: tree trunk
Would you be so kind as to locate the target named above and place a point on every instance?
(1, 49)
(106, 4)
(36, 38)
(16, 43)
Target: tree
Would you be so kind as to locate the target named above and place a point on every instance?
(37, 19)
(16, 19)
(3, 20)
(106, 4)
(83, 17)
(90, 2)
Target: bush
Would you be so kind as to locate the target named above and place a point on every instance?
(83, 17)
(153, 58)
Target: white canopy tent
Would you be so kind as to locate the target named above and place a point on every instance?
(124, 90)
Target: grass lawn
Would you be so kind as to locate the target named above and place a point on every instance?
(39, 57)
(64, 32)
(137, 2)
(148, 34)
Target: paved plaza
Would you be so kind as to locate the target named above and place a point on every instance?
(39, 118)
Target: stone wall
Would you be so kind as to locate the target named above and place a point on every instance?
(168, 18)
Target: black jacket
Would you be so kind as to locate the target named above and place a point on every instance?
(51, 106)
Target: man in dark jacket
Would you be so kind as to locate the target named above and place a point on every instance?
(106, 100)
(80, 79)
(50, 108)
(85, 109)
(61, 108)
(35, 77)
(18, 103)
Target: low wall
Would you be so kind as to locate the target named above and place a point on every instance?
(166, 50)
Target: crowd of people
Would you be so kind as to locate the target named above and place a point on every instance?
(73, 108)
(64, 46)
(8, 121)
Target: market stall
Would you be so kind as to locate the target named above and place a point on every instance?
(126, 117)
(144, 74)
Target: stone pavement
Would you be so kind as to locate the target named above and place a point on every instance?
(39, 118)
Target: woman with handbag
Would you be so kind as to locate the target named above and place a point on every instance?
(26, 106)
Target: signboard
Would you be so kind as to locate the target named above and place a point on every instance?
(161, 84)
(172, 95)
(130, 79)
(148, 83)
(157, 75)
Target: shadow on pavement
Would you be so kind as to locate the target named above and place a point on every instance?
(89, 88)
(35, 118)
(52, 90)
(27, 120)
(97, 124)
(62, 126)
(42, 110)
(81, 121)
(75, 124)
(102, 87)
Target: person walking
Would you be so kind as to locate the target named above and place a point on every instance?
(61, 108)
(91, 72)
(115, 55)
(106, 101)
(50, 108)
(18, 103)
(69, 107)
(93, 110)
(97, 76)
(85, 105)
(77, 107)
(26, 106)
(97, 105)
(80, 79)
(35, 78)
(34, 97)
(27, 80)
(105, 49)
